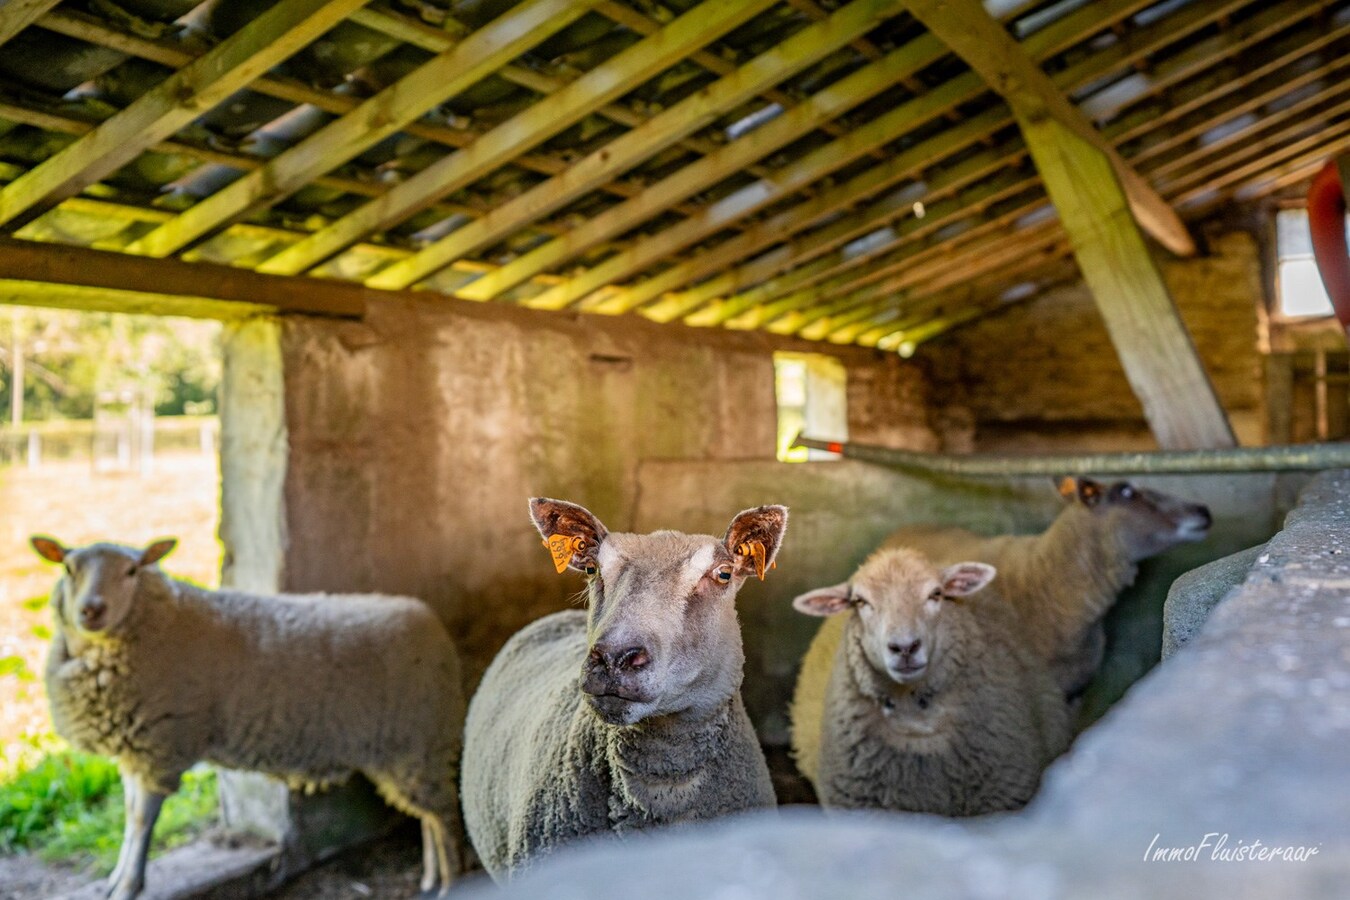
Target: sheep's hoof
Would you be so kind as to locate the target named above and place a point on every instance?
(124, 891)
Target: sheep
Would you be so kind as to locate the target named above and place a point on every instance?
(160, 674)
(918, 693)
(626, 716)
(1063, 581)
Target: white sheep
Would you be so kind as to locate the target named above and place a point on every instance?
(628, 716)
(919, 694)
(1063, 581)
(160, 674)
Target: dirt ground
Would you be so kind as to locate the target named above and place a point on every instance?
(178, 498)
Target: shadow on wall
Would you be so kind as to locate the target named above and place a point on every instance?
(840, 511)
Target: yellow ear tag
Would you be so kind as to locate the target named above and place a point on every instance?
(755, 550)
(562, 547)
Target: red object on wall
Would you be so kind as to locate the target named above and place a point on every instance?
(1326, 218)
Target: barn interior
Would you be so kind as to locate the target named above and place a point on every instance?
(622, 251)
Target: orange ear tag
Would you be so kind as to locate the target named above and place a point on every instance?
(755, 550)
(562, 547)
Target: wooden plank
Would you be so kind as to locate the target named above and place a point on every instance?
(1155, 349)
(62, 264)
(264, 42)
(16, 15)
(529, 128)
(378, 117)
(796, 53)
(987, 48)
(793, 124)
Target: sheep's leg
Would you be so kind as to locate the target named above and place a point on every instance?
(430, 858)
(441, 839)
(136, 847)
(130, 787)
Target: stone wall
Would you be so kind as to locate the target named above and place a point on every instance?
(1044, 375)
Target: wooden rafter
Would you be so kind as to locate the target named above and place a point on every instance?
(530, 127)
(239, 59)
(823, 106)
(430, 84)
(16, 15)
(988, 49)
(1040, 44)
(796, 53)
(801, 273)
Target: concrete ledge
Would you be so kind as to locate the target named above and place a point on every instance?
(201, 870)
(1240, 738)
(1194, 595)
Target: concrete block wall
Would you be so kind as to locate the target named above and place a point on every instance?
(396, 454)
(1043, 375)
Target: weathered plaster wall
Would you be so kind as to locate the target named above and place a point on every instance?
(416, 436)
(1044, 375)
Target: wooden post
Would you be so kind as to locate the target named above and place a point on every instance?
(1159, 359)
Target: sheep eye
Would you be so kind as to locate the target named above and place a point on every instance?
(724, 574)
(936, 594)
(860, 601)
(1127, 493)
(131, 573)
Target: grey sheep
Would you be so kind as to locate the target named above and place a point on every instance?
(160, 674)
(919, 694)
(1063, 581)
(627, 716)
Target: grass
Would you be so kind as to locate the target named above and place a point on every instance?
(67, 806)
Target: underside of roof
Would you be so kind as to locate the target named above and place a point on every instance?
(822, 169)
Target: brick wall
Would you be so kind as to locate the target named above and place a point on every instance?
(1045, 375)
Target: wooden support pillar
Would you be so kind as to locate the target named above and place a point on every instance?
(1156, 350)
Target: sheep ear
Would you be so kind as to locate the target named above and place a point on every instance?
(1084, 490)
(965, 578)
(48, 548)
(157, 551)
(571, 533)
(824, 601)
(754, 536)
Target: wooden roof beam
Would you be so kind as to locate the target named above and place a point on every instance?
(16, 15)
(1040, 45)
(796, 53)
(829, 103)
(264, 42)
(137, 276)
(386, 113)
(987, 48)
(529, 128)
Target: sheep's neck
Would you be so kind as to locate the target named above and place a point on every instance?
(659, 768)
(1089, 562)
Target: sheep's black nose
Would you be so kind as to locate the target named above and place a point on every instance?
(1203, 512)
(906, 649)
(627, 659)
(92, 610)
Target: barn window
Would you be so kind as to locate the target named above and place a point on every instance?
(811, 401)
(1297, 282)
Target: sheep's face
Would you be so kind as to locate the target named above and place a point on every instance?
(97, 588)
(903, 603)
(1147, 522)
(662, 634)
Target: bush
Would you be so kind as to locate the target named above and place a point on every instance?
(68, 805)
